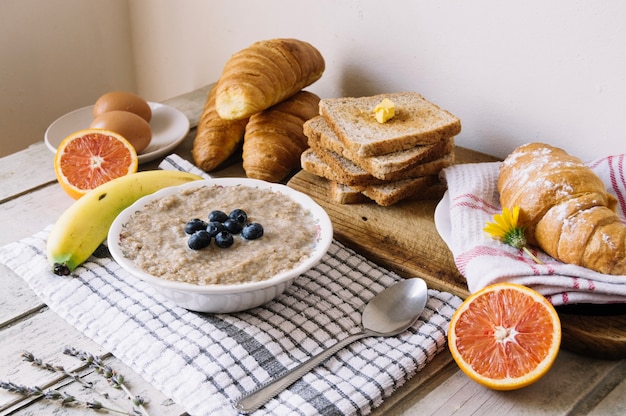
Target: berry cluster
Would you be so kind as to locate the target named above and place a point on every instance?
(221, 227)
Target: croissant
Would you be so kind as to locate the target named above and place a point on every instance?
(264, 74)
(565, 208)
(216, 139)
(274, 139)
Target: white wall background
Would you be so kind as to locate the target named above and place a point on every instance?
(513, 72)
(56, 56)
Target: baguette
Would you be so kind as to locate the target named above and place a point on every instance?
(216, 139)
(384, 166)
(564, 207)
(274, 140)
(264, 74)
(417, 121)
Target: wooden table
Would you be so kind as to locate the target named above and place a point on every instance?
(31, 199)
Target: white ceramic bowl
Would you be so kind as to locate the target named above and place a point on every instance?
(220, 298)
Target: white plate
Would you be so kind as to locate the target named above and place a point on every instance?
(228, 297)
(169, 128)
(442, 219)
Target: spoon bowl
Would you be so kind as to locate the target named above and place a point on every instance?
(389, 313)
(396, 308)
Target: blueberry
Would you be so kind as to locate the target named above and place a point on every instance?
(239, 215)
(195, 225)
(252, 231)
(232, 226)
(217, 215)
(224, 239)
(214, 227)
(199, 240)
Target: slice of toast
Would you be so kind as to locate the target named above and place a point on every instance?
(352, 174)
(417, 121)
(384, 194)
(344, 194)
(319, 133)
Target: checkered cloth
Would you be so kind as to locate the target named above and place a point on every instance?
(204, 361)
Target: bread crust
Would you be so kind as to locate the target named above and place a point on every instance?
(564, 207)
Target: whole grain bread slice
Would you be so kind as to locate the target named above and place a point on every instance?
(417, 121)
(320, 134)
(384, 194)
(352, 174)
(345, 194)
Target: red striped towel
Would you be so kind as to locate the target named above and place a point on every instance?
(471, 202)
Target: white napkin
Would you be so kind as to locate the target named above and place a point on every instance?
(204, 361)
(473, 200)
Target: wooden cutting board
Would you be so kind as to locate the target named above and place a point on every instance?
(404, 239)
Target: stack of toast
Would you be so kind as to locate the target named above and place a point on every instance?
(366, 160)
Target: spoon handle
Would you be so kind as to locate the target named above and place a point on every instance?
(251, 401)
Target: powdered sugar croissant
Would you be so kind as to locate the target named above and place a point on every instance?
(264, 74)
(565, 207)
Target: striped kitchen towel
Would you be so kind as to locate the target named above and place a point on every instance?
(471, 202)
(204, 361)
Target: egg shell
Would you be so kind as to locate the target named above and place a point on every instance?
(129, 125)
(122, 101)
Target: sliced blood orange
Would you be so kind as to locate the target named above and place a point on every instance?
(91, 157)
(505, 336)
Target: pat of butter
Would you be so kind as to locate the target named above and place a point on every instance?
(385, 110)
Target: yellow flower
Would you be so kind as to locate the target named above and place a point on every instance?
(506, 229)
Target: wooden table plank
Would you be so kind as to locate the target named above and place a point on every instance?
(45, 335)
(18, 177)
(569, 385)
(17, 300)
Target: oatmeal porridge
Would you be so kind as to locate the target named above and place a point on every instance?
(155, 239)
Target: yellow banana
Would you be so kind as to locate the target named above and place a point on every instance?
(84, 225)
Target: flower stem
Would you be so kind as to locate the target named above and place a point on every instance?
(532, 255)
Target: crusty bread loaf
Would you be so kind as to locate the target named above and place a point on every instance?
(274, 140)
(216, 139)
(264, 74)
(383, 167)
(417, 121)
(384, 194)
(564, 207)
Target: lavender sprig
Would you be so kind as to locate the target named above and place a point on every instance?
(29, 357)
(65, 399)
(115, 379)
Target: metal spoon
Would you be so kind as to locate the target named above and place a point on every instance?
(389, 313)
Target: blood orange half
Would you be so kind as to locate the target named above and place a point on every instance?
(505, 336)
(88, 158)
